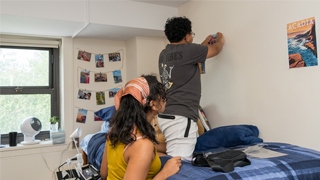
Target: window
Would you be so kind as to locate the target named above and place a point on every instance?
(29, 86)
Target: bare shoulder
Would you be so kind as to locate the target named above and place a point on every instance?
(141, 149)
(143, 144)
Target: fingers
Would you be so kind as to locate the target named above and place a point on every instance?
(178, 160)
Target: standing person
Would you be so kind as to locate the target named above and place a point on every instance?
(180, 73)
(130, 152)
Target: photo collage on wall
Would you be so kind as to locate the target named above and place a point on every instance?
(99, 77)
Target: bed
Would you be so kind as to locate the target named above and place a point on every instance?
(268, 160)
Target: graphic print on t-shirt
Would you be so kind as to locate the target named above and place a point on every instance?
(165, 76)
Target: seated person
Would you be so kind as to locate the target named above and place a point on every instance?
(130, 152)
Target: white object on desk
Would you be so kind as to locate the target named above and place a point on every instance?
(30, 127)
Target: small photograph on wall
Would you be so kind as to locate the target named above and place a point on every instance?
(82, 116)
(113, 92)
(84, 56)
(84, 76)
(96, 118)
(100, 77)
(117, 76)
(99, 60)
(114, 57)
(302, 45)
(202, 68)
(100, 97)
(83, 94)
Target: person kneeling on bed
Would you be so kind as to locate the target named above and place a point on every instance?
(130, 152)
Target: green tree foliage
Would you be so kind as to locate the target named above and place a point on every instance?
(29, 72)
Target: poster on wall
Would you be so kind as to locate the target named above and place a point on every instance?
(302, 45)
(202, 68)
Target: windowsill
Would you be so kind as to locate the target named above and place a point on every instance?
(42, 147)
(30, 146)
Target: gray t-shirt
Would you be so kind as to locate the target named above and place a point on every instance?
(180, 73)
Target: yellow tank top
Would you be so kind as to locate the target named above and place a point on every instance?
(117, 165)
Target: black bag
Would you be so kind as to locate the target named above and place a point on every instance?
(222, 162)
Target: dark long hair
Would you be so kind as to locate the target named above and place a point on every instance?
(132, 113)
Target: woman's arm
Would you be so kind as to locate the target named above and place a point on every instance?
(104, 164)
(170, 168)
(139, 157)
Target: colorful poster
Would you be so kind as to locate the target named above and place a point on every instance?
(302, 45)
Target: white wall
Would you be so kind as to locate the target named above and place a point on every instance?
(148, 51)
(132, 58)
(249, 81)
(143, 55)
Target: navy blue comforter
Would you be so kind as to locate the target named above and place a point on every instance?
(299, 163)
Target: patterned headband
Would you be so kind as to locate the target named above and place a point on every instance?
(138, 88)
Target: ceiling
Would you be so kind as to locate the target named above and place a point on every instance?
(28, 23)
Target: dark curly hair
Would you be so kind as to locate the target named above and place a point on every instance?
(132, 113)
(177, 28)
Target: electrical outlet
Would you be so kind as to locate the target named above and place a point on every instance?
(77, 140)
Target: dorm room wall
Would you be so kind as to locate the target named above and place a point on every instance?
(249, 81)
(143, 55)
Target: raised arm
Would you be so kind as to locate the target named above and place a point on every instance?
(216, 47)
(104, 164)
